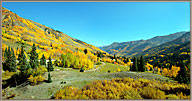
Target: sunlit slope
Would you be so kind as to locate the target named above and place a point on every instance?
(15, 29)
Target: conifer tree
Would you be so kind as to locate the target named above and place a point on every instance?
(142, 64)
(6, 64)
(43, 60)
(182, 76)
(33, 57)
(131, 69)
(23, 64)
(21, 54)
(10, 61)
(49, 78)
(50, 65)
(13, 62)
(22, 59)
(138, 65)
(134, 67)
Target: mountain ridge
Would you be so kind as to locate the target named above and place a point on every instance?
(183, 40)
(131, 48)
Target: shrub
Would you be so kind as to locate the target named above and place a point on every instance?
(126, 88)
(130, 94)
(118, 69)
(6, 75)
(152, 93)
(38, 71)
(172, 96)
(35, 79)
(68, 93)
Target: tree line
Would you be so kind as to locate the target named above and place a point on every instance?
(10, 63)
(25, 70)
(138, 64)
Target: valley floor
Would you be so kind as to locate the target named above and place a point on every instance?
(74, 78)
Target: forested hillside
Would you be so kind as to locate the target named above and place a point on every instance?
(49, 41)
(133, 48)
(170, 53)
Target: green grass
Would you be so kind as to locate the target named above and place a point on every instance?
(80, 84)
(74, 78)
(112, 68)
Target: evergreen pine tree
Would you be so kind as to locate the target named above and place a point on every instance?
(21, 54)
(22, 59)
(138, 65)
(49, 78)
(142, 64)
(13, 62)
(182, 75)
(134, 67)
(23, 64)
(131, 69)
(43, 60)
(50, 65)
(33, 57)
(6, 64)
(10, 61)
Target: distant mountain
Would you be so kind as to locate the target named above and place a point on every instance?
(16, 29)
(171, 52)
(181, 44)
(132, 48)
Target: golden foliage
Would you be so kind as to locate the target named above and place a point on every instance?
(126, 88)
(35, 79)
(149, 66)
(118, 69)
(171, 72)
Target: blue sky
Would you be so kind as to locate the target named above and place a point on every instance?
(102, 23)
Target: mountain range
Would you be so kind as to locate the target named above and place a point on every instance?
(150, 47)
